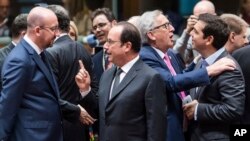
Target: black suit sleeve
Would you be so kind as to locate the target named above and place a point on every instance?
(70, 111)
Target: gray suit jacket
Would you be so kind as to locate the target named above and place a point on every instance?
(137, 111)
(221, 103)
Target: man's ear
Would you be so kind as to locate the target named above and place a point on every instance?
(232, 36)
(114, 22)
(210, 40)
(150, 35)
(128, 46)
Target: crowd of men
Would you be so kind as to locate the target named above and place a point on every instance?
(141, 85)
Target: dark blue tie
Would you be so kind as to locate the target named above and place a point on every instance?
(204, 63)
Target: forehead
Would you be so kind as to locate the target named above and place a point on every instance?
(199, 25)
(115, 33)
(100, 19)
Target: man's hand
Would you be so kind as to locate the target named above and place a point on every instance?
(189, 109)
(192, 20)
(82, 78)
(224, 64)
(85, 118)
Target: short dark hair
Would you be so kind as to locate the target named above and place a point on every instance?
(215, 27)
(130, 34)
(19, 24)
(103, 11)
(62, 17)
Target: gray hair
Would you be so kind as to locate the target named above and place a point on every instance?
(147, 22)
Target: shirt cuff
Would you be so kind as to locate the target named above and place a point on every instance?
(85, 93)
(195, 112)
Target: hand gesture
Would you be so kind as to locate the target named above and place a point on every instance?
(224, 64)
(85, 118)
(192, 20)
(82, 78)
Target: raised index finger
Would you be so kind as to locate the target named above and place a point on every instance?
(81, 65)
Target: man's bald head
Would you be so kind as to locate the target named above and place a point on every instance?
(38, 16)
(204, 6)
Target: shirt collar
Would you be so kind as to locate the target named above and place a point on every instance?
(125, 68)
(211, 59)
(162, 54)
(32, 44)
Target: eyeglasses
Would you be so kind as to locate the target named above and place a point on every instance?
(100, 26)
(165, 25)
(53, 28)
(110, 42)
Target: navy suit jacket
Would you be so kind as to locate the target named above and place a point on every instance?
(174, 84)
(137, 110)
(29, 101)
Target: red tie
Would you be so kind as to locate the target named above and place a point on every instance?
(170, 67)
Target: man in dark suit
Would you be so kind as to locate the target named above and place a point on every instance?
(157, 33)
(30, 105)
(63, 57)
(18, 30)
(102, 21)
(132, 103)
(221, 103)
(242, 57)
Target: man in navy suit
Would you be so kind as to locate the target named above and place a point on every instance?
(30, 105)
(132, 103)
(157, 36)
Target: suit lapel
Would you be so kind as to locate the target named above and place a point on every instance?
(108, 80)
(127, 79)
(46, 70)
(201, 89)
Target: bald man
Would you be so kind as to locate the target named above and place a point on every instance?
(183, 45)
(30, 107)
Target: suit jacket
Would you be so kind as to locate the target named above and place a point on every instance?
(174, 84)
(29, 102)
(221, 103)
(241, 56)
(137, 110)
(63, 57)
(4, 52)
(98, 64)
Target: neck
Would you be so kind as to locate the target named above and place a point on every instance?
(207, 52)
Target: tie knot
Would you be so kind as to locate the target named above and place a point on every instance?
(42, 54)
(204, 63)
(118, 72)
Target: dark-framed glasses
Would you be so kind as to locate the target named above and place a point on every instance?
(165, 25)
(53, 28)
(110, 42)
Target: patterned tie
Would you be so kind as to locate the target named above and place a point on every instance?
(170, 67)
(116, 81)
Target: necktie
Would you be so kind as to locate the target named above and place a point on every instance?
(204, 63)
(43, 57)
(170, 67)
(116, 81)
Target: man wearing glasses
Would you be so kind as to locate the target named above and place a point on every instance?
(102, 21)
(157, 36)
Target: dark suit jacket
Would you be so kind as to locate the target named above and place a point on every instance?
(63, 57)
(4, 52)
(29, 102)
(98, 64)
(137, 111)
(242, 56)
(221, 103)
(174, 84)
